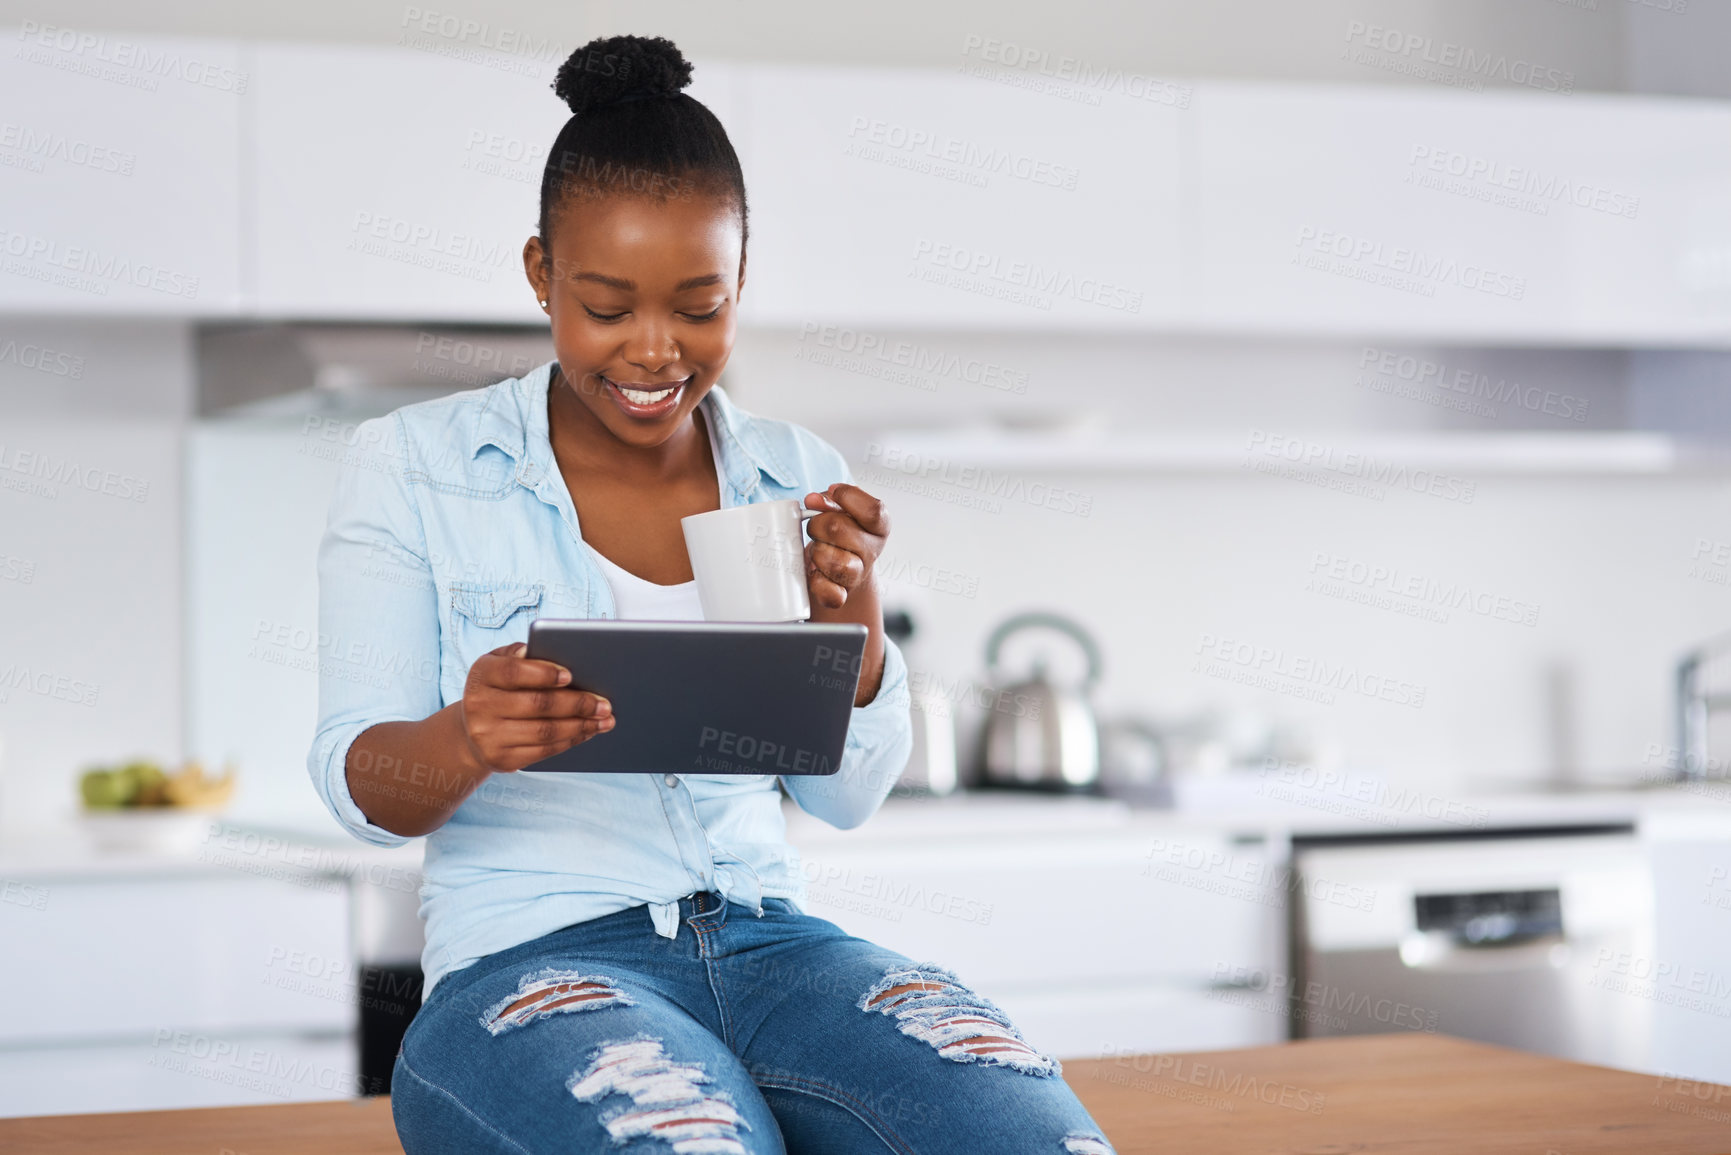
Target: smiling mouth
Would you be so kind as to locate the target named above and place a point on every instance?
(646, 399)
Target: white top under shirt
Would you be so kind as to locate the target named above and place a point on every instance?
(637, 599)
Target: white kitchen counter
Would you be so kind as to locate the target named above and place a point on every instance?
(1246, 806)
(199, 845)
(1241, 807)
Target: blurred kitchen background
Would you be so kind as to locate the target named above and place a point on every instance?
(1353, 378)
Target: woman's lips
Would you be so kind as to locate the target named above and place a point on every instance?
(646, 400)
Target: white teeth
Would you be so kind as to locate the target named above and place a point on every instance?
(641, 397)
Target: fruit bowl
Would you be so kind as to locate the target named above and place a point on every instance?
(138, 807)
(156, 830)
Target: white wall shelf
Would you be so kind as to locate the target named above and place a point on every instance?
(911, 451)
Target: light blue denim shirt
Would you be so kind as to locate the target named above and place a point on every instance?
(449, 531)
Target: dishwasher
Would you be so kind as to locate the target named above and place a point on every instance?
(1539, 940)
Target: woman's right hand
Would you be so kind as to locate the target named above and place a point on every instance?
(517, 710)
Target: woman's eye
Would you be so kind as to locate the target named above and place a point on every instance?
(709, 316)
(602, 316)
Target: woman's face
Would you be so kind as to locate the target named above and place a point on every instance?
(643, 294)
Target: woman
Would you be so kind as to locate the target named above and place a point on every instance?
(621, 960)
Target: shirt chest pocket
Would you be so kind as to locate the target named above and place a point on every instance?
(481, 618)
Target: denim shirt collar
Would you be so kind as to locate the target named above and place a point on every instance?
(514, 418)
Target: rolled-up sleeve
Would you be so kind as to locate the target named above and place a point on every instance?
(879, 739)
(880, 734)
(378, 616)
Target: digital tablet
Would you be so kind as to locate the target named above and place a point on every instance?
(708, 697)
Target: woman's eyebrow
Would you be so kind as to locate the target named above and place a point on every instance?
(620, 283)
(628, 286)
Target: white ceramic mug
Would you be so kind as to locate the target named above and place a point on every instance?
(749, 562)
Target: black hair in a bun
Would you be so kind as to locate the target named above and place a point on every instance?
(605, 72)
(633, 131)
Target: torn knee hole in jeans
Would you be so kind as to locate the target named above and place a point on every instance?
(551, 992)
(668, 1099)
(930, 1004)
(1086, 1143)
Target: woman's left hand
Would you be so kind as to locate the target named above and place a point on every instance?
(846, 538)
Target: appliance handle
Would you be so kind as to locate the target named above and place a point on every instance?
(1421, 951)
(1047, 620)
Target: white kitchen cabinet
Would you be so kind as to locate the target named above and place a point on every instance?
(938, 199)
(1138, 1019)
(210, 178)
(1305, 219)
(137, 987)
(120, 172)
(105, 959)
(1663, 276)
(176, 1073)
(1006, 911)
(1512, 216)
(397, 183)
(400, 183)
(891, 199)
(1687, 981)
(1092, 939)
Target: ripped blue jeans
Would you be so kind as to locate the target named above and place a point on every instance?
(745, 1035)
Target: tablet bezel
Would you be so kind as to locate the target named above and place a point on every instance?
(826, 711)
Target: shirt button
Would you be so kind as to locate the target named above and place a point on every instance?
(671, 780)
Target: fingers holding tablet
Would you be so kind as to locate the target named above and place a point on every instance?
(519, 710)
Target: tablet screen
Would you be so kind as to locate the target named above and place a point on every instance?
(708, 697)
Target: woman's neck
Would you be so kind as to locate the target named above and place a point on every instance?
(582, 443)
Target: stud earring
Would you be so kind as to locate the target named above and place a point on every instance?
(543, 304)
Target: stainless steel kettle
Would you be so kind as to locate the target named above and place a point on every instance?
(1039, 734)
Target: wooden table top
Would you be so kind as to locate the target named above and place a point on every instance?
(1404, 1094)
(1407, 1093)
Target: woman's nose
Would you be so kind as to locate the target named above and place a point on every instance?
(652, 347)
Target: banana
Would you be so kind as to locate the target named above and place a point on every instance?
(190, 787)
(141, 785)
